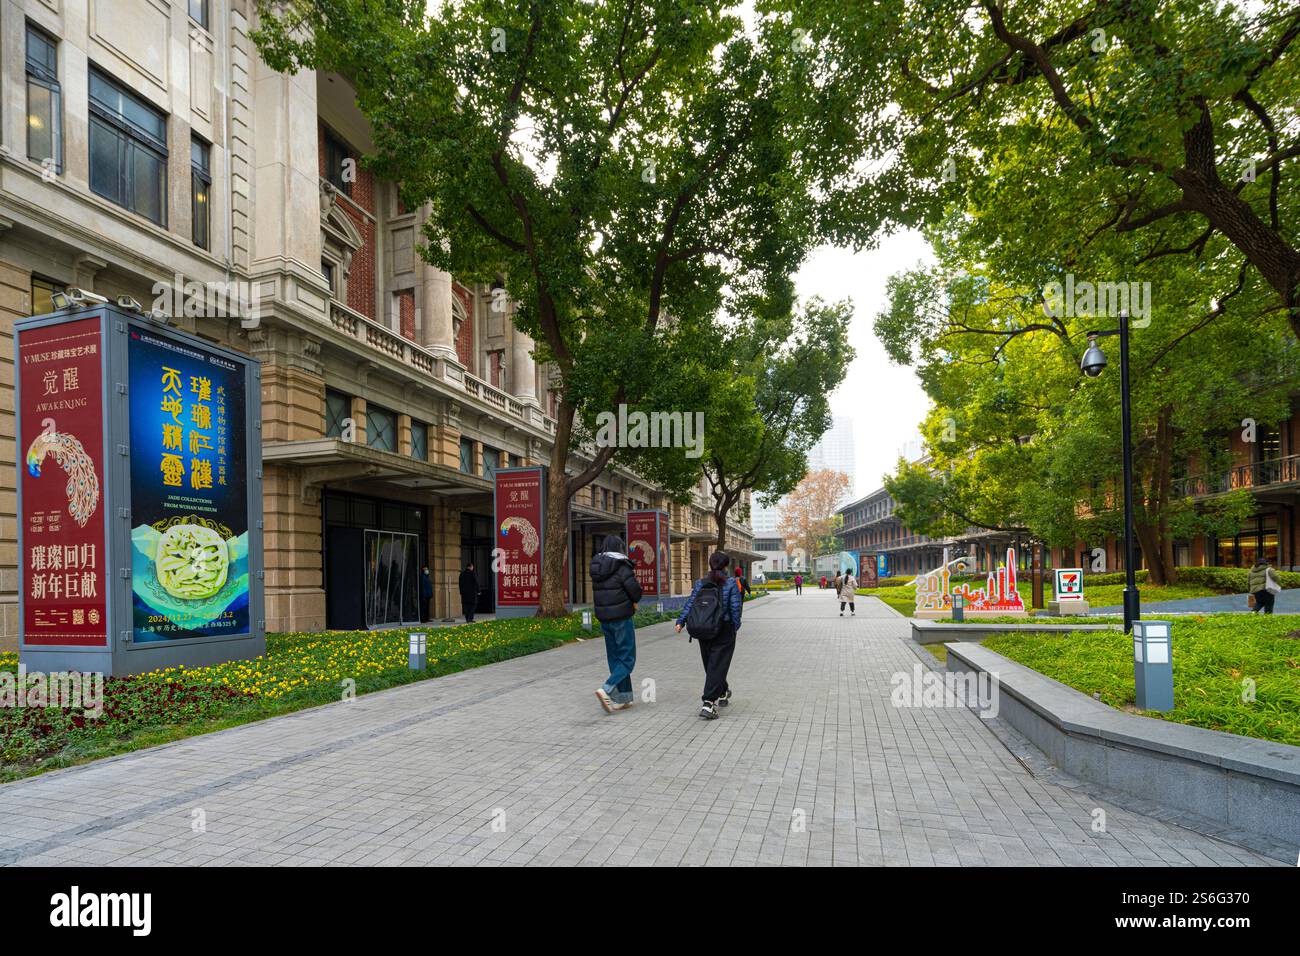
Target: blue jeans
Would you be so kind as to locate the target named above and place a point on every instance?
(620, 650)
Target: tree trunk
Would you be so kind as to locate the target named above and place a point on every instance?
(720, 519)
(1263, 246)
(555, 541)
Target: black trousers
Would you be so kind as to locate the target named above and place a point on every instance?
(716, 655)
(469, 607)
(1264, 599)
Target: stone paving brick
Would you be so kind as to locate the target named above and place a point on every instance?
(417, 775)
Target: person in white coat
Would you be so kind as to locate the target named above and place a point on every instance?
(848, 590)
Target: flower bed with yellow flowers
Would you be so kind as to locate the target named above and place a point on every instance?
(297, 670)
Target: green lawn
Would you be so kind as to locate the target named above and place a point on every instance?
(903, 598)
(297, 671)
(1214, 657)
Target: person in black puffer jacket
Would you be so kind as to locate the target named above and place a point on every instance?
(615, 591)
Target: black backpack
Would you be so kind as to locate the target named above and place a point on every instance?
(706, 615)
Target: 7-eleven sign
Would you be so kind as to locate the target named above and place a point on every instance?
(1069, 584)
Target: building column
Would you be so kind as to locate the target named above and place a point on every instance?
(523, 369)
(436, 331)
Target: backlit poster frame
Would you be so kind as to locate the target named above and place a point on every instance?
(120, 650)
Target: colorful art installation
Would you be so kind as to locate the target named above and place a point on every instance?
(998, 598)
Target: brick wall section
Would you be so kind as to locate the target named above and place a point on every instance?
(465, 341)
(15, 302)
(406, 313)
(361, 277)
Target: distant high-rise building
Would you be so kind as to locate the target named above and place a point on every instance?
(835, 451)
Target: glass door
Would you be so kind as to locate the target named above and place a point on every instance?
(391, 579)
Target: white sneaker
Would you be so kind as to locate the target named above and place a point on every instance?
(604, 700)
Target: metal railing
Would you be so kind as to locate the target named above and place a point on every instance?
(1257, 474)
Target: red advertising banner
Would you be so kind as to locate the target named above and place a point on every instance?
(643, 549)
(60, 382)
(665, 556)
(519, 499)
(867, 577)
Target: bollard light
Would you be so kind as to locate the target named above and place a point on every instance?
(586, 620)
(1153, 668)
(660, 607)
(958, 606)
(417, 650)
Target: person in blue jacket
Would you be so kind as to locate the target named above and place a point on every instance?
(716, 651)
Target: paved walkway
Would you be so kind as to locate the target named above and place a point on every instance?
(810, 765)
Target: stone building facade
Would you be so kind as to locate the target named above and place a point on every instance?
(145, 142)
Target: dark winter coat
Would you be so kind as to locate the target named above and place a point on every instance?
(733, 602)
(614, 586)
(426, 586)
(468, 584)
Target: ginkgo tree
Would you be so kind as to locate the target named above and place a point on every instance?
(620, 163)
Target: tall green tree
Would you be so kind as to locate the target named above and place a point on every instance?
(1173, 121)
(618, 162)
(772, 403)
(1022, 443)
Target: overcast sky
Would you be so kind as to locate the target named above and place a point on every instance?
(884, 400)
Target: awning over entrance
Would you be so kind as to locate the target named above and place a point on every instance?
(330, 461)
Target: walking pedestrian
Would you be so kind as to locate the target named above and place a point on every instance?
(798, 584)
(426, 594)
(467, 584)
(615, 593)
(836, 584)
(848, 590)
(822, 586)
(711, 616)
(741, 582)
(1263, 585)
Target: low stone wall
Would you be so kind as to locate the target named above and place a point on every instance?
(939, 632)
(1240, 783)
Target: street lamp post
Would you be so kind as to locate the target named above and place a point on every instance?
(1093, 364)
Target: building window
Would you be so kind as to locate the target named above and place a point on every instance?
(419, 440)
(338, 409)
(467, 456)
(381, 428)
(491, 462)
(201, 186)
(128, 149)
(327, 270)
(44, 100)
(199, 12)
(340, 167)
(43, 295)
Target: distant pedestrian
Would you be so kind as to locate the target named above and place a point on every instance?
(741, 582)
(1263, 585)
(838, 578)
(848, 590)
(822, 586)
(426, 594)
(712, 616)
(468, 586)
(615, 593)
(798, 584)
